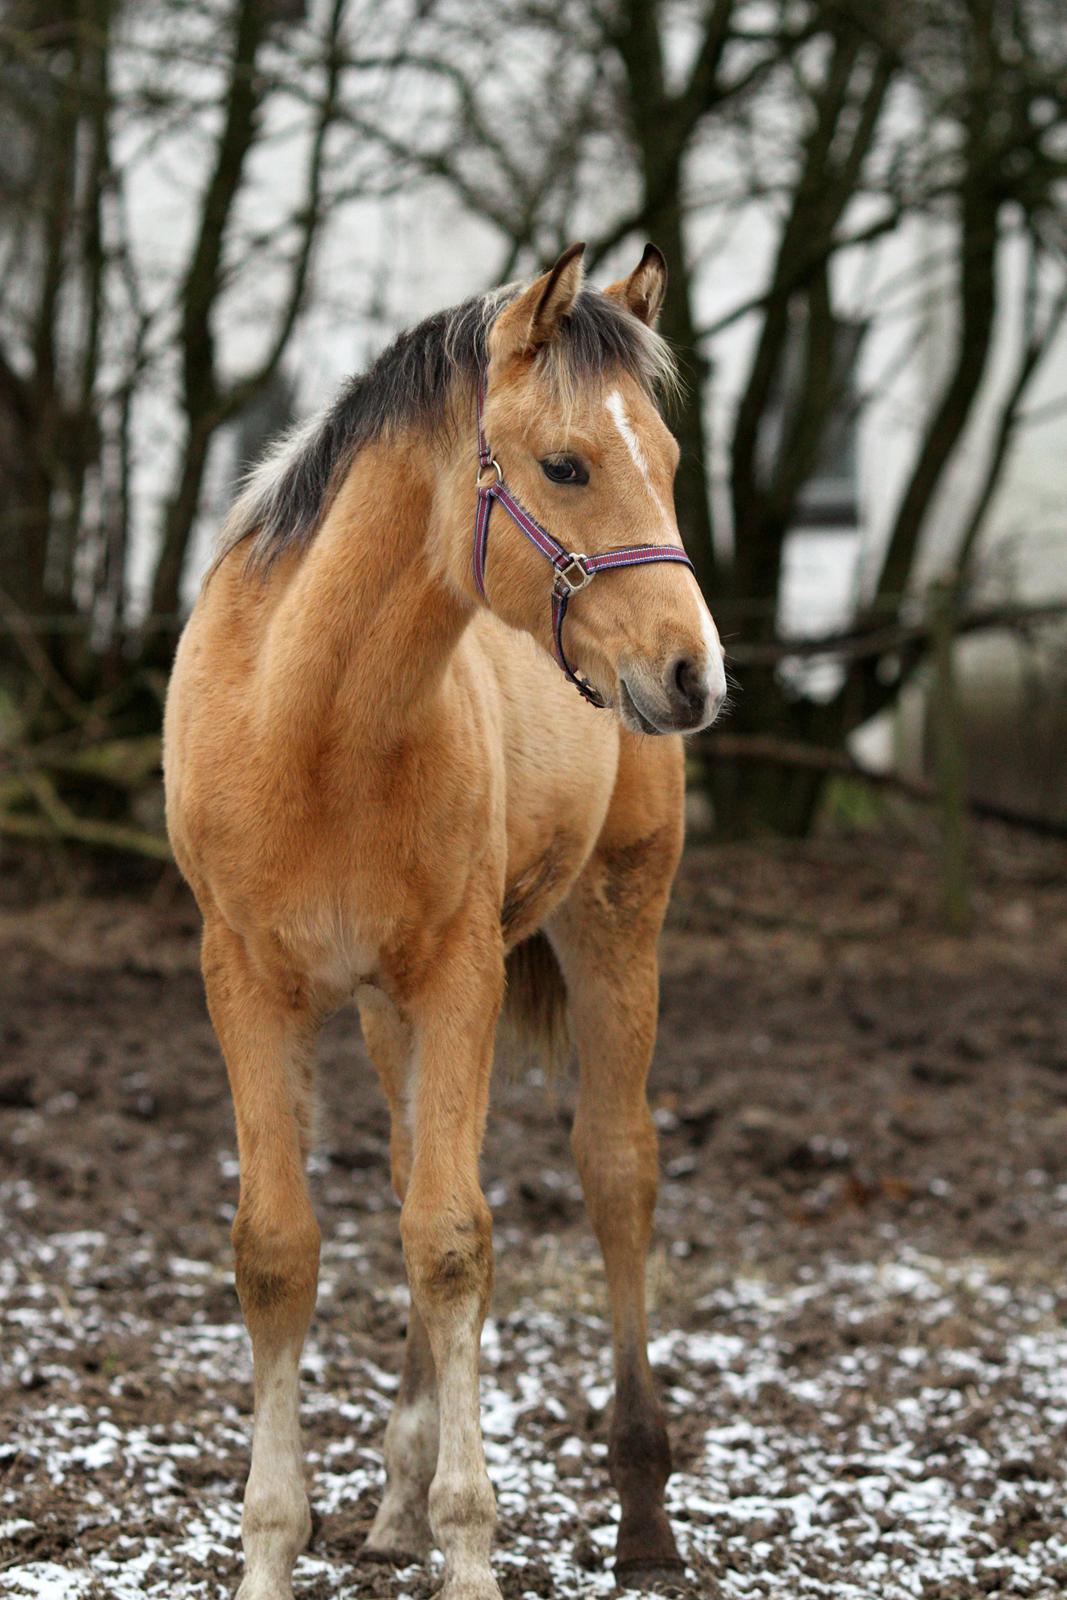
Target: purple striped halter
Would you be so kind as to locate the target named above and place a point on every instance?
(573, 570)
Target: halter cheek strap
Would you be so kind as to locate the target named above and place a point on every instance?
(572, 570)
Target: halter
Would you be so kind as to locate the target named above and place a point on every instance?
(573, 570)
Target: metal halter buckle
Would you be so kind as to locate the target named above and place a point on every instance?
(575, 575)
(494, 464)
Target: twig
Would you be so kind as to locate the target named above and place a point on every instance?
(43, 670)
(854, 644)
(816, 758)
(59, 821)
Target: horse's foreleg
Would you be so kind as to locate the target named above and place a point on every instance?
(447, 1233)
(611, 975)
(267, 1041)
(401, 1528)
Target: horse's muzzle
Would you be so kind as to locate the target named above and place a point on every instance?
(685, 697)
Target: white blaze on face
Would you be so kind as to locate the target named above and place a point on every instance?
(714, 667)
(715, 663)
(617, 409)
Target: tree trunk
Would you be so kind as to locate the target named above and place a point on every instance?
(179, 520)
(692, 486)
(200, 294)
(661, 149)
(751, 797)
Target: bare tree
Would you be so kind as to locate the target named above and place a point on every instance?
(841, 123)
(54, 68)
(832, 125)
(93, 328)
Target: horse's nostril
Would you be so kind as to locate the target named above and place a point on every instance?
(689, 681)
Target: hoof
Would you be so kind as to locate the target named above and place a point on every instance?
(264, 1589)
(400, 1533)
(385, 1557)
(653, 1577)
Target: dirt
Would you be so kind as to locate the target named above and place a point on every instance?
(858, 1284)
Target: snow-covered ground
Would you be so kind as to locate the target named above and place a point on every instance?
(891, 1430)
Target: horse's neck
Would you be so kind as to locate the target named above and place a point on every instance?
(364, 635)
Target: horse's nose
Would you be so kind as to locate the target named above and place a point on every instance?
(696, 689)
(688, 684)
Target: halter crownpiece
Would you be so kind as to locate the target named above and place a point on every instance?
(573, 569)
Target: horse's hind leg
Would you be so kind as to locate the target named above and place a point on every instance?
(401, 1528)
(605, 937)
(267, 1036)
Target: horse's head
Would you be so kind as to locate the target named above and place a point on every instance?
(570, 417)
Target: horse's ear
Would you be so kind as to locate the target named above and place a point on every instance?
(533, 319)
(643, 291)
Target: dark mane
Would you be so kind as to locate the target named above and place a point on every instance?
(286, 495)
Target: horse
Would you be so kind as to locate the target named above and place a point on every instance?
(427, 757)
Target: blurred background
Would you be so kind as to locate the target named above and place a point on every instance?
(212, 210)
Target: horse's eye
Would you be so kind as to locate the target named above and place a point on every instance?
(565, 469)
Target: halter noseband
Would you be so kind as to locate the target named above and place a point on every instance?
(573, 570)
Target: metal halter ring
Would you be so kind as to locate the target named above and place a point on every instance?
(575, 575)
(495, 465)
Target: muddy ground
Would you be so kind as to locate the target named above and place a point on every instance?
(858, 1285)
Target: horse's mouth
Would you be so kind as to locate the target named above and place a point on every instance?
(630, 713)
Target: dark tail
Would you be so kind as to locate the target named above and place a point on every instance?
(533, 1023)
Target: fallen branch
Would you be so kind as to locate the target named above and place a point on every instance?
(41, 668)
(128, 763)
(838, 763)
(96, 835)
(58, 822)
(855, 644)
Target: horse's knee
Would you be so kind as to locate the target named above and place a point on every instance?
(276, 1260)
(277, 1509)
(449, 1253)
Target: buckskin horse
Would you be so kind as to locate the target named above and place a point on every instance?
(382, 783)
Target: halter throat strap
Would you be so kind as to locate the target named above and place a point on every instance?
(572, 569)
